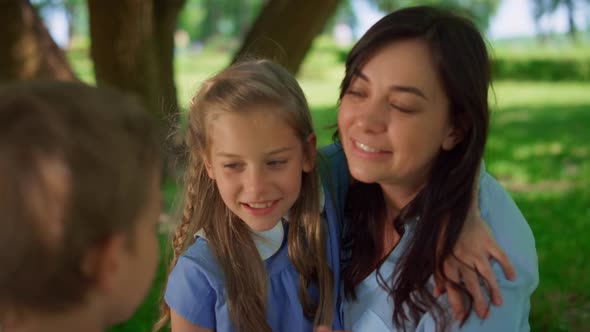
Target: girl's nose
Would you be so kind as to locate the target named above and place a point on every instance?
(256, 182)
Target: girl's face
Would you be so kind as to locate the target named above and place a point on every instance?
(394, 118)
(257, 162)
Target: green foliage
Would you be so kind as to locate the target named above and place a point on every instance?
(204, 19)
(548, 7)
(191, 18)
(557, 60)
(543, 69)
(481, 11)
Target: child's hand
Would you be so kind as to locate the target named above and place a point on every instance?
(470, 260)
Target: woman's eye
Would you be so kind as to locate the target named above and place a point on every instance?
(356, 93)
(401, 108)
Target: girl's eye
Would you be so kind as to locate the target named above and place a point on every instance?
(231, 166)
(276, 163)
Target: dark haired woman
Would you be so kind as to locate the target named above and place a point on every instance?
(412, 124)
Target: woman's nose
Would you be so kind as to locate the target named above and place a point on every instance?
(372, 116)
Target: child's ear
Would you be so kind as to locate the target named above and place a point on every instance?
(311, 152)
(104, 263)
(208, 166)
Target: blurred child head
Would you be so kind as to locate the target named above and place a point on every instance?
(79, 195)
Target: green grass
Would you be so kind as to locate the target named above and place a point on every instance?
(539, 148)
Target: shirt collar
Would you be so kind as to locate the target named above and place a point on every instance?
(269, 242)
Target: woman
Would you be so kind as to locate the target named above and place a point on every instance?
(412, 124)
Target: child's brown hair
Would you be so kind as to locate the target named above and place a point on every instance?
(75, 164)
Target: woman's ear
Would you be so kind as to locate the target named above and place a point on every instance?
(454, 137)
(456, 132)
(310, 153)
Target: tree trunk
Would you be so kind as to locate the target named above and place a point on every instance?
(28, 51)
(165, 18)
(122, 47)
(132, 47)
(285, 29)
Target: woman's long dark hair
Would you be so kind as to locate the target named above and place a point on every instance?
(461, 60)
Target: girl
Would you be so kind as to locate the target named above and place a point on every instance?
(80, 201)
(237, 261)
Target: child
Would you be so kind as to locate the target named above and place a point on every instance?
(79, 195)
(250, 250)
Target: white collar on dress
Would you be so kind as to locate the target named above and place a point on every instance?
(269, 242)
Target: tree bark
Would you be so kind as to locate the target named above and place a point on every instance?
(122, 47)
(28, 51)
(165, 18)
(285, 29)
(132, 47)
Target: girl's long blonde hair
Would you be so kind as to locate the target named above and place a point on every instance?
(236, 88)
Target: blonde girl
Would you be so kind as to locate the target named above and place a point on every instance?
(250, 250)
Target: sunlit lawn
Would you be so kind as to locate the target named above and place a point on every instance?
(539, 148)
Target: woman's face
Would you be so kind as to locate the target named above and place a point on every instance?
(394, 118)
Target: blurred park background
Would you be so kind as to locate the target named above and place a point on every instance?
(161, 50)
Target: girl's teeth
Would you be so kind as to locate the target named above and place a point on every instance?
(365, 147)
(260, 205)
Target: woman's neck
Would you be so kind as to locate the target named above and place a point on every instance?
(397, 197)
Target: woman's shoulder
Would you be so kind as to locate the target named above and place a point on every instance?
(509, 227)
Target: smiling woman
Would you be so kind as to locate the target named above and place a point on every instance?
(412, 124)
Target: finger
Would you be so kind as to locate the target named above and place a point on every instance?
(453, 293)
(471, 280)
(485, 271)
(456, 301)
(504, 262)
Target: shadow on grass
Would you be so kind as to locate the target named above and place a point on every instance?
(542, 155)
